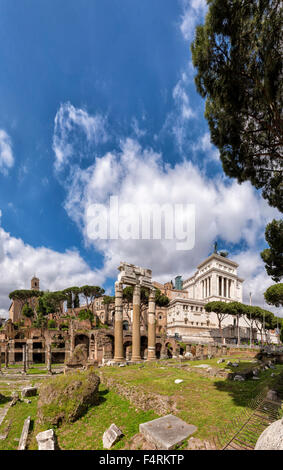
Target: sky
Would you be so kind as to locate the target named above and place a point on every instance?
(97, 100)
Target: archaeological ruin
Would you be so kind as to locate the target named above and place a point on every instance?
(129, 331)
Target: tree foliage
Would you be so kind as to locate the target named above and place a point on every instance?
(86, 314)
(274, 295)
(263, 319)
(27, 311)
(91, 293)
(238, 56)
(273, 256)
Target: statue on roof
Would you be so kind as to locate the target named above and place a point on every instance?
(215, 248)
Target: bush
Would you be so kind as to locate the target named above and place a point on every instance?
(86, 315)
(51, 324)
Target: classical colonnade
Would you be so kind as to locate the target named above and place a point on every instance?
(137, 277)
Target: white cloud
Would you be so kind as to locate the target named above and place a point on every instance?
(6, 152)
(182, 99)
(194, 13)
(252, 269)
(177, 121)
(235, 213)
(69, 122)
(204, 144)
(138, 132)
(20, 261)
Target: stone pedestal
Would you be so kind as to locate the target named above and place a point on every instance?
(151, 356)
(118, 328)
(136, 339)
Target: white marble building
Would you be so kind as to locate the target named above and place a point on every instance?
(216, 278)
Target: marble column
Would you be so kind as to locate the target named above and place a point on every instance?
(6, 356)
(222, 286)
(24, 358)
(136, 338)
(118, 329)
(48, 358)
(151, 355)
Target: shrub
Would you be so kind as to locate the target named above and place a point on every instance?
(86, 315)
(51, 324)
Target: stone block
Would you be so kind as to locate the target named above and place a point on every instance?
(272, 395)
(220, 361)
(178, 381)
(111, 436)
(46, 440)
(167, 432)
(189, 355)
(24, 435)
(29, 392)
(239, 378)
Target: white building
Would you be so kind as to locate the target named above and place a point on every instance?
(216, 278)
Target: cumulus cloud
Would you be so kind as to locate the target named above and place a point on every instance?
(70, 122)
(6, 152)
(252, 269)
(19, 262)
(224, 209)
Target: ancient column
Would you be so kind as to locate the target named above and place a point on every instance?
(6, 356)
(118, 328)
(12, 351)
(27, 355)
(151, 355)
(48, 356)
(24, 359)
(136, 335)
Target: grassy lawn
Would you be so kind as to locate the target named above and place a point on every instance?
(207, 402)
(16, 416)
(87, 432)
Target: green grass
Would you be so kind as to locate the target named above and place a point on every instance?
(17, 415)
(207, 402)
(87, 432)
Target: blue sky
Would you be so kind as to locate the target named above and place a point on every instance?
(98, 98)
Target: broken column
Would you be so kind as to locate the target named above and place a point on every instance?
(151, 354)
(136, 338)
(46, 440)
(118, 328)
